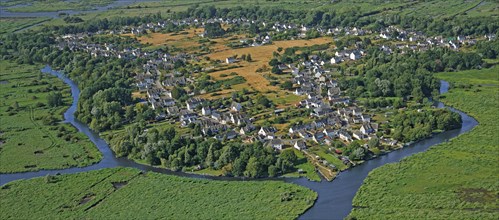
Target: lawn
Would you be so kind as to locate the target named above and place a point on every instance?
(126, 193)
(303, 164)
(452, 180)
(27, 142)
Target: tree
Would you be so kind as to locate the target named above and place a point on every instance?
(287, 85)
(210, 157)
(273, 62)
(288, 155)
(264, 101)
(214, 30)
(238, 167)
(273, 170)
(254, 168)
(276, 70)
(248, 58)
(178, 92)
(54, 99)
(169, 133)
(359, 153)
(373, 142)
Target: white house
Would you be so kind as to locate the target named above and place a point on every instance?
(206, 111)
(276, 144)
(236, 107)
(355, 55)
(300, 145)
(230, 60)
(335, 60)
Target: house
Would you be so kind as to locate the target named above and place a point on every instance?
(206, 111)
(230, 135)
(318, 137)
(355, 55)
(192, 103)
(264, 131)
(230, 60)
(329, 132)
(336, 60)
(358, 135)
(282, 67)
(366, 118)
(236, 107)
(366, 129)
(304, 134)
(345, 136)
(173, 111)
(356, 111)
(335, 91)
(216, 116)
(246, 129)
(276, 144)
(188, 116)
(300, 145)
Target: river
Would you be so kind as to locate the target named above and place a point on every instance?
(335, 198)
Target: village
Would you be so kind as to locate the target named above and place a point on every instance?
(325, 113)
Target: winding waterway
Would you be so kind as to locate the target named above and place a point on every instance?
(335, 198)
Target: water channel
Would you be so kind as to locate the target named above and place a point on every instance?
(335, 198)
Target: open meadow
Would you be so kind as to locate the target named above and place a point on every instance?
(260, 57)
(128, 193)
(452, 180)
(10, 25)
(51, 5)
(31, 137)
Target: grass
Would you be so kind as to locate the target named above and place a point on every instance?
(453, 180)
(476, 77)
(329, 157)
(261, 55)
(27, 144)
(10, 25)
(308, 169)
(127, 193)
(53, 5)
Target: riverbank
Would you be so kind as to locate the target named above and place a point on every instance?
(110, 192)
(32, 135)
(455, 179)
(335, 197)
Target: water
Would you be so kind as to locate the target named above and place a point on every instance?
(335, 198)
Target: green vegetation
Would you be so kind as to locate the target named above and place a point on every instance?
(453, 180)
(128, 193)
(416, 125)
(31, 137)
(10, 25)
(52, 5)
(484, 77)
(308, 170)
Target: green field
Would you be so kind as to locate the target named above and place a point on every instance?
(487, 77)
(28, 142)
(453, 180)
(52, 5)
(9, 25)
(125, 193)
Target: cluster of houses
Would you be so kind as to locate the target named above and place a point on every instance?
(417, 41)
(335, 115)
